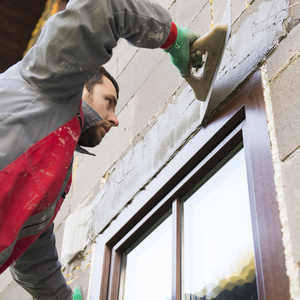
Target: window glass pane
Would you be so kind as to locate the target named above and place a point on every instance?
(218, 241)
(148, 268)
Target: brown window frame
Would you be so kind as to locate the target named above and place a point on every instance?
(241, 120)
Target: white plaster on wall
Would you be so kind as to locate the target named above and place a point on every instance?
(252, 36)
(75, 234)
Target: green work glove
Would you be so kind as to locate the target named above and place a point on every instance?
(77, 293)
(180, 51)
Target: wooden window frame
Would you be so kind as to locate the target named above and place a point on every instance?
(242, 120)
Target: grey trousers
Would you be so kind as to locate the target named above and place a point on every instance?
(38, 270)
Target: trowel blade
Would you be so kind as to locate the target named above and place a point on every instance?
(214, 43)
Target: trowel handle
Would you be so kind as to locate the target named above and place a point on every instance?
(211, 39)
(213, 43)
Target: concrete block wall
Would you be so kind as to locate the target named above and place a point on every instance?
(158, 112)
(282, 73)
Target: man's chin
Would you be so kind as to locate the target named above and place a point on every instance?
(89, 141)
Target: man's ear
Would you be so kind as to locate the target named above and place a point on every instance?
(85, 94)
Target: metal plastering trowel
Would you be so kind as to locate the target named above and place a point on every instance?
(212, 45)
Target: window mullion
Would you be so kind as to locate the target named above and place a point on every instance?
(105, 273)
(115, 275)
(177, 247)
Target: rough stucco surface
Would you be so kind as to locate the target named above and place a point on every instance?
(284, 72)
(286, 99)
(290, 180)
(253, 34)
(157, 112)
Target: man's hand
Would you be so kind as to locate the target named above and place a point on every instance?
(77, 293)
(180, 51)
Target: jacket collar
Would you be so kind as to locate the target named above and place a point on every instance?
(90, 117)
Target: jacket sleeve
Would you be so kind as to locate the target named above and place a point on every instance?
(78, 40)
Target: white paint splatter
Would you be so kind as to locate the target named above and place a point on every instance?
(72, 134)
(62, 141)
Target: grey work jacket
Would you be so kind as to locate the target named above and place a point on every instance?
(42, 92)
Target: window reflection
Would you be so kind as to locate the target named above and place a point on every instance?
(148, 267)
(218, 241)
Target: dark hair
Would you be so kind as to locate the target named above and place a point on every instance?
(97, 78)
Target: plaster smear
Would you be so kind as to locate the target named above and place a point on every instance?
(291, 265)
(256, 32)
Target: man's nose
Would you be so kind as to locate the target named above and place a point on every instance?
(113, 120)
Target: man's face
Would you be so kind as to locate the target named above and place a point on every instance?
(103, 99)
